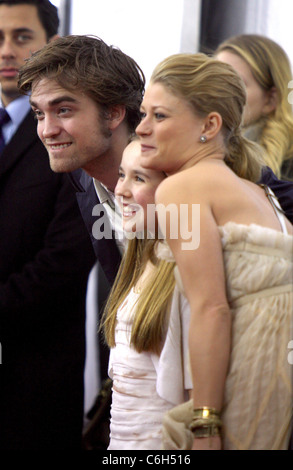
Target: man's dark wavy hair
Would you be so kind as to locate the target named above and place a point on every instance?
(87, 64)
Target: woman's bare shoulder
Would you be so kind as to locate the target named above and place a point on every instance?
(201, 180)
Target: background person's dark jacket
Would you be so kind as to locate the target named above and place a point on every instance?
(45, 259)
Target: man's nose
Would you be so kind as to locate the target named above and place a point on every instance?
(48, 127)
(7, 49)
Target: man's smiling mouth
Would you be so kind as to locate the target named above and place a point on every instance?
(58, 146)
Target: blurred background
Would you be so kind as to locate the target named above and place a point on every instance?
(150, 30)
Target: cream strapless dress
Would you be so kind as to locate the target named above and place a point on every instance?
(257, 411)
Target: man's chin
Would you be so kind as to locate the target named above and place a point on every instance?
(9, 91)
(61, 167)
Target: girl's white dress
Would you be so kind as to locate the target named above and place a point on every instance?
(146, 385)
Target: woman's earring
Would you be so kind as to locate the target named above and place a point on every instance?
(203, 139)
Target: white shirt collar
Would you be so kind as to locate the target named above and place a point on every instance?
(17, 111)
(107, 198)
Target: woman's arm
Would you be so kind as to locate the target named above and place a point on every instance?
(203, 278)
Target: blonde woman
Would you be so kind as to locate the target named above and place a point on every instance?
(268, 118)
(145, 320)
(238, 281)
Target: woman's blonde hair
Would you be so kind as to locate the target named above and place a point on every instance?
(152, 308)
(270, 67)
(210, 85)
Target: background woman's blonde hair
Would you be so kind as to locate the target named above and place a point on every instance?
(152, 308)
(270, 67)
(210, 85)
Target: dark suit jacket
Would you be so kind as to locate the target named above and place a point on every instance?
(282, 189)
(105, 249)
(46, 255)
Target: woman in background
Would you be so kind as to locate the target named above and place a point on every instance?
(266, 71)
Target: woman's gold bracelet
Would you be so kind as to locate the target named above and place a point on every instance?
(206, 422)
(205, 412)
(206, 431)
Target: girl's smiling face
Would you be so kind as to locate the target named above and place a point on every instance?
(135, 189)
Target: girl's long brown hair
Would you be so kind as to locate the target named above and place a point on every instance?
(151, 310)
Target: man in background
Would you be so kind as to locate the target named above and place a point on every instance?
(46, 256)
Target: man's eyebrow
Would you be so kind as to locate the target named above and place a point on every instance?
(60, 99)
(23, 30)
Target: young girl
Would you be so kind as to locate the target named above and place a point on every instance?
(145, 321)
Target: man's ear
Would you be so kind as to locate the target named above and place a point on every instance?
(56, 36)
(115, 116)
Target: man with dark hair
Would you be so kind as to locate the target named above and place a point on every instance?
(78, 68)
(46, 11)
(46, 256)
(86, 96)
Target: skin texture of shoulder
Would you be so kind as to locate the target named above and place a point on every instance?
(194, 184)
(212, 184)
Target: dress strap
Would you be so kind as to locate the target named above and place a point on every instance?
(276, 206)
